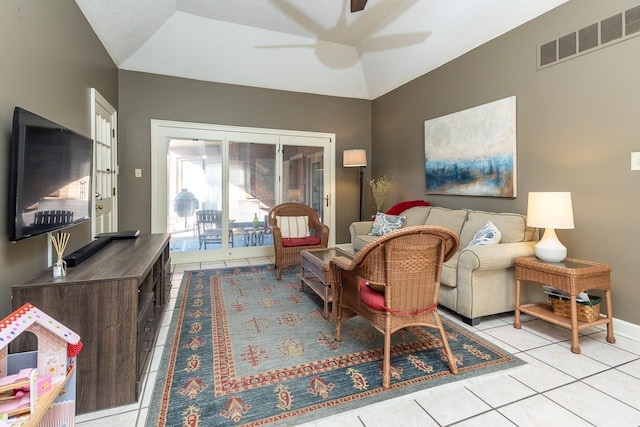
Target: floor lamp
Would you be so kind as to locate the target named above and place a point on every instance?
(356, 158)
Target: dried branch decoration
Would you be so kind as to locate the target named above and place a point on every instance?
(60, 242)
(380, 187)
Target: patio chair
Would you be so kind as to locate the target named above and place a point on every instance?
(49, 220)
(209, 228)
(295, 227)
(393, 283)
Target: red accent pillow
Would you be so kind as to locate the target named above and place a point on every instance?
(398, 208)
(301, 241)
(371, 298)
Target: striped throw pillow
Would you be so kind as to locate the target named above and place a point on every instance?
(293, 226)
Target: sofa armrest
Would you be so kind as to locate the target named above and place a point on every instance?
(360, 228)
(493, 257)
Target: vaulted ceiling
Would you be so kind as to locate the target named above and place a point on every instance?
(311, 46)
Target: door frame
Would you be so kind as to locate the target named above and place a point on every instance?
(159, 204)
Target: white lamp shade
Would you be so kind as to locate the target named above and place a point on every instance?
(353, 158)
(550, 210)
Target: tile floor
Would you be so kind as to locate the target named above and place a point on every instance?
(599, 387)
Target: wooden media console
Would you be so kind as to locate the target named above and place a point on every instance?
(114, 300)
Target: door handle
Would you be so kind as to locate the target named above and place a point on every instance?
(99, 207)
(326, 200)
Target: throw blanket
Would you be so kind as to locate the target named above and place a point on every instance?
(398, 208)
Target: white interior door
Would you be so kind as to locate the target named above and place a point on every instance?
(104, 134)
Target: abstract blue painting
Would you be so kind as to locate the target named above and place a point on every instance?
(472, 152)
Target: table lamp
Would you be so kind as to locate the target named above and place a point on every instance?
(550, 210)
(356, 158)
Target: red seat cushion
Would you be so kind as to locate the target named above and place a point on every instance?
(371, 298)
(301, 241)
(375, 301)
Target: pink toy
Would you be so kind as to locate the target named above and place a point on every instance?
(38, 396)
(16, 406)
(22, 376)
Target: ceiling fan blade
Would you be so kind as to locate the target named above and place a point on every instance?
(358, 5)
(281, 46)
(395, 41)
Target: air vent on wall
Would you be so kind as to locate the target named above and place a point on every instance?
(567, 46)
(612, 29)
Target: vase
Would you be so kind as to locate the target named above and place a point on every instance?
(59, 268)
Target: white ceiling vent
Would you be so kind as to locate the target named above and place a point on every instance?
(612, 29)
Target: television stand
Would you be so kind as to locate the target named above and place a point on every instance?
(115, 301)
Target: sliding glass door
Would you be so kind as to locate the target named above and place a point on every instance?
(303, 177)
(252, 190)
(194, 193)
(215, 185)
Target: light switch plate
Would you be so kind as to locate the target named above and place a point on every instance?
(139, 171)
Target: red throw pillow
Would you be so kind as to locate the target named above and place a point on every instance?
(398, 208)
(371, 298)
(301, 241)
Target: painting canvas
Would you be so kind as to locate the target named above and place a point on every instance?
(473, 152)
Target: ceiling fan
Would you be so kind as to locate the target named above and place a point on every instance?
(358, 5)
(349, 32)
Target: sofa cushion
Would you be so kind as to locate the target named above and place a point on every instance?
(385, 224)
(449, 218)
(449, 275)
(489, 234)
(415, 216)
(362, 240)
(512, 226)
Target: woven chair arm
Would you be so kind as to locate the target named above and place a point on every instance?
(276, 231)
(321, 231)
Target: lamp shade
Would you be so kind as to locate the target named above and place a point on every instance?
(353, 158)
(550, 210)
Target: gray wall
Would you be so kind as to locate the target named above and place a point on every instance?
(50, 59)
(577, 123)
(148, 96)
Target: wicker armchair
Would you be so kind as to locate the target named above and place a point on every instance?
(287, 251)
(404, 266)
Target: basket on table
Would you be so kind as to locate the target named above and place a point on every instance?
(587, 311)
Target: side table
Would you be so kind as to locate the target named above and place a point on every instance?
(321, 279)
(571, 276)
(253, 236)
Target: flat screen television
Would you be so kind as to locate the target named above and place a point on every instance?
(50, 170)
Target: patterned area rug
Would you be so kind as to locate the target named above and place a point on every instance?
(245, 349)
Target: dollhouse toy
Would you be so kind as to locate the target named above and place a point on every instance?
(41, 395)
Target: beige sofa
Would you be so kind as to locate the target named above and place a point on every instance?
(479, 280)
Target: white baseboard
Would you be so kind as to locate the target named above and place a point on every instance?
(626, 329)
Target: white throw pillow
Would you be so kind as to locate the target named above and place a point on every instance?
(487, 235)
(292, 227)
